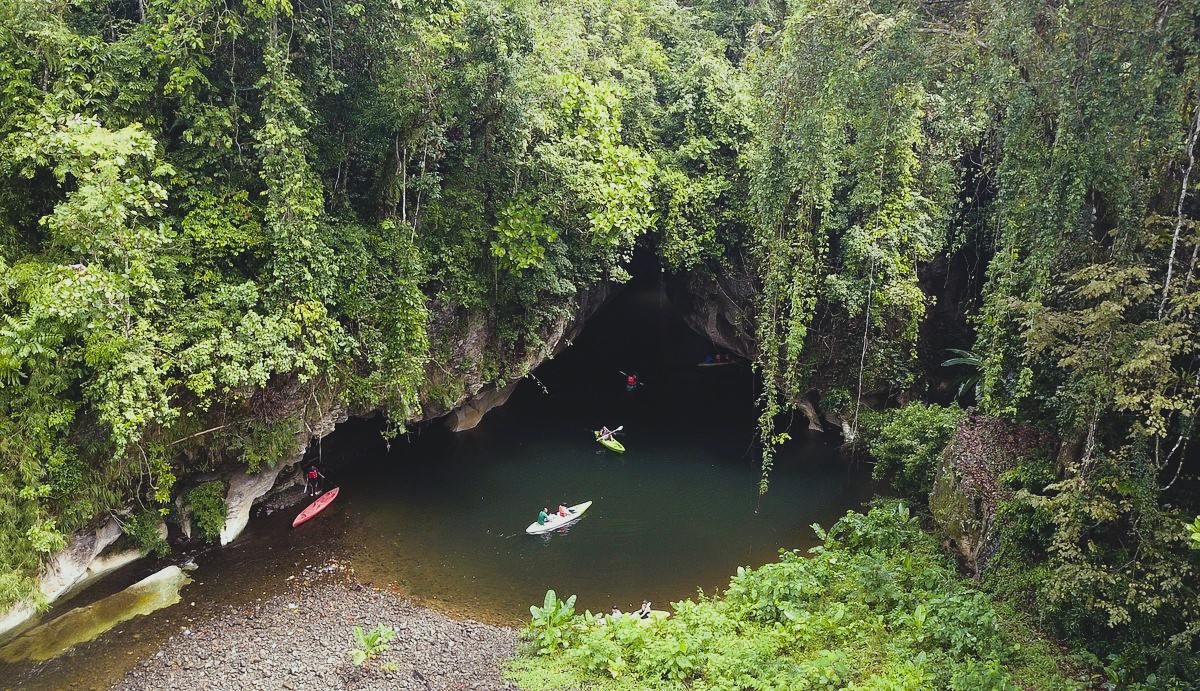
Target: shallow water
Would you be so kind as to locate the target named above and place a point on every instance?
(81, 624)
(441, 516)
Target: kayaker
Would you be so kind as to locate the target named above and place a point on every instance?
(313, 484)
(631, 380)
(542, 516)
(616, 612)
(644, 611)
(605, 433)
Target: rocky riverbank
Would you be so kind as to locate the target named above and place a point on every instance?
(299, 638)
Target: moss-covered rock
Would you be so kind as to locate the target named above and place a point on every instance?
(966, 490)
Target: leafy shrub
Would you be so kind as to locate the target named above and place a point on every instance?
(876, 606)
(208, 508)
(142, 527)
(550, 627)
(906, 443)
(371, 643)
(1059, 545)
(267, 443)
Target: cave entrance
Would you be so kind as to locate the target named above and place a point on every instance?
(442, 514)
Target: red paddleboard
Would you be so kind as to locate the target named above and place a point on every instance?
(315, 508)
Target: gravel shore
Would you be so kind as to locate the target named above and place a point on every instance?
(299, 638)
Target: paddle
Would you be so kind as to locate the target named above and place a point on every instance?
(637, 381)
(613, 431)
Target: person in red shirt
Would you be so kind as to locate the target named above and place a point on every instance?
(313, 485)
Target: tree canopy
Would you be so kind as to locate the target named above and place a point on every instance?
(218, 219)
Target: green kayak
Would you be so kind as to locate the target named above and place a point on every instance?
(610, 443)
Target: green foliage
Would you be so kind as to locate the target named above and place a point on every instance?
(143, 527)
(219, 221)
(520, 237)
(550, 627)
(853, 186)
(1057, 143)
(907, 442)
(369, 644)
(876, 606)
(1057, 549)
(969, 381)
(208, 508)
(265, 443)
(1193, 532)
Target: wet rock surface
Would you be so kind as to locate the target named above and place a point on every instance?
(300, 638)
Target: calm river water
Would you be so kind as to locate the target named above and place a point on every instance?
(441, 516)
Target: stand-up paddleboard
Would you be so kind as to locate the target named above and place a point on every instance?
(714, 363)
(556, 521)
(315, 508)
(610, 443)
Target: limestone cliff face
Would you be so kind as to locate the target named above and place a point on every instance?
(716, 307)
(89, 555)
(967, 491)
(470, 374)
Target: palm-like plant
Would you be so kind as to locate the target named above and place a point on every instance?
(968, 381)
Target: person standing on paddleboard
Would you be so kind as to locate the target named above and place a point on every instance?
(313, 486)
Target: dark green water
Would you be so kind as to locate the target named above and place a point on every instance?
(442, 516)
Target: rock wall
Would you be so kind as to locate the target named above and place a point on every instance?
(470, 409)
(712, 306)
(246, 489)
(966, 489)
(458, 384)
(86, 558)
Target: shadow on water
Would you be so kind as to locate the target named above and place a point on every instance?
(441, 516)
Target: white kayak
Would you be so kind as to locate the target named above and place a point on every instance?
(556, 521)
(654, 616)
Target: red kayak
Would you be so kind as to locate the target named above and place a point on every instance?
(315, 508)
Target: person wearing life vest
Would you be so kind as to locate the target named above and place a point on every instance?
(644, 611)
(631, 380)
(313, 484)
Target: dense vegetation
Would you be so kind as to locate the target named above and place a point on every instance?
(220, 219)
(877, 607)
